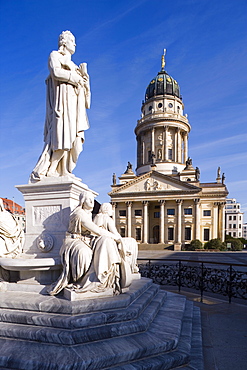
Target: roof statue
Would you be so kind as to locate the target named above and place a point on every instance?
(68, 97)
(163, 62)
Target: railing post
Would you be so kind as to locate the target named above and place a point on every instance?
(201, 281)
(179, 276)
(149, 268)
(230, 286)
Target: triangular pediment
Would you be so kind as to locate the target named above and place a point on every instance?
(154, 181)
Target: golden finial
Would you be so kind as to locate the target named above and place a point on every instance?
(163, 62)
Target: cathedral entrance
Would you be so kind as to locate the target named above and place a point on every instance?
(156, 234)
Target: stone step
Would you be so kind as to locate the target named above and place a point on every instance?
(187, 354)
(57, 304)
(80, 321)
(163, 336)
(84, 335)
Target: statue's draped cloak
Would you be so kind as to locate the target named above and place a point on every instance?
(66, 117)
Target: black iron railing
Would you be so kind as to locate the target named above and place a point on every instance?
(226, 279)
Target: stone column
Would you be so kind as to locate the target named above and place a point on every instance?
(197, 218)
(165, 143)
(114, 206)
(143, 153)
(179, 220)
(176, 146)
(180, 156)
(221, 221)
(129, 223)
(185, 147)
(162, 221)
(215, 221)
(153, 141)
(145, 221)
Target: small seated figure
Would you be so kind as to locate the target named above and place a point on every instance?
(129, 247)
(11, 234)
(89, 253)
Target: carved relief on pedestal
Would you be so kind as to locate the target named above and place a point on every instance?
(41, 214)
(45, 242)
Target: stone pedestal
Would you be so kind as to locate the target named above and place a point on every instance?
(177, 247)
(48, 205)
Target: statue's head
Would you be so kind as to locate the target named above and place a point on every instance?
(86, 200)
(66, 40)
(106, 208)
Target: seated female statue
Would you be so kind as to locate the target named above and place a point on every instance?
(89, 253)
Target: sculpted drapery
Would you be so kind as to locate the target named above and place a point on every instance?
(11, 234)
(68, 97)
(89, 254)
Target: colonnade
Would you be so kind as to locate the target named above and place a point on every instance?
(216, 229)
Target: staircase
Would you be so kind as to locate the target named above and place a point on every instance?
(144, 328)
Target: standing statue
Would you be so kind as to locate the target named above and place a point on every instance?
(188, 162)
(223, 178)
(218, 172)
(197, 174)
(89, 254)
(68, 96)
(11, 234)
(114, 179)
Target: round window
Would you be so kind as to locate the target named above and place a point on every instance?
(170, 105)
(160, 105)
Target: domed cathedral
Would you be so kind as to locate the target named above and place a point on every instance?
(164, 204)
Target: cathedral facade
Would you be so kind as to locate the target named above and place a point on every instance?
(164, 202)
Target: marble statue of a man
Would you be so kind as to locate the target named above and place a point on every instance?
(68, 97)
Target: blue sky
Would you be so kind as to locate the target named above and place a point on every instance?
(122, 42)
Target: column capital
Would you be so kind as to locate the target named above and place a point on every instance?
(197, 200)
(129, 203)
(145, 202)
(114, 204)
(162, 201)
(166, 127)
(179, 201)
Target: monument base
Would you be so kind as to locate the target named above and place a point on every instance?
(48, 204)
(142, 328)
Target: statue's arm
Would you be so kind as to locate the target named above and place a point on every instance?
(60, 73)
(112, 228)
(95, 229)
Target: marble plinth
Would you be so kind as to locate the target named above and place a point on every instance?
(144, 328)
(48, 204)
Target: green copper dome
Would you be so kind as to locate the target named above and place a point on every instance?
(162, 84)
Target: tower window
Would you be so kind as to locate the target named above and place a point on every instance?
(170, 105)
(170, 154)
(160, 105)
(150, 108)
(178, 109)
